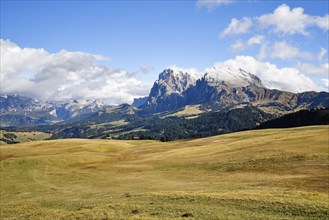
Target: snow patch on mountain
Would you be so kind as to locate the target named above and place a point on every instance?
(13, 103)
(79, 106)
(231, 76)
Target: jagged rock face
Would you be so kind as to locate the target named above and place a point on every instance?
(203, 92)
(226, 86)
(175, 81)
(222, 84)
(166, 93)
(139, 101)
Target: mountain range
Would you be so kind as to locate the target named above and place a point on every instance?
(18, 110)
(224, 86)
(181, 104)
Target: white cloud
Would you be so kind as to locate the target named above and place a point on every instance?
(262, 52)
(272, 32)
(192, 71)
(238, 46)
(255, 40)
(283, 21)
(288, 21)
(237, 27)
(258, 39)
(326, 83)
(322, 22)
(64, 75)
(211, 4)
(147, 69)
(323, 52)
(283, 50)
(308, 68)
(287, 79)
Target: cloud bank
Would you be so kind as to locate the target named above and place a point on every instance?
(237, 27)
(65, 75)
(68, 75)
(288, 21)
(286, 79)
(283, 21)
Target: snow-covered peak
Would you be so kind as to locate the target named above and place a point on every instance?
(84, 103)
(230, 75)
(18, 103)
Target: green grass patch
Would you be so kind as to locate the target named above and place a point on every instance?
(21, 137)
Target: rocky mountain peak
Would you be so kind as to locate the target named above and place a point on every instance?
(139, 101)
(223, 85)
(79, 106)
(176, 80)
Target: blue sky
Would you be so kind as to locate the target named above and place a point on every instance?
(142, 38)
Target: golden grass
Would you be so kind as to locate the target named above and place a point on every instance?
(262, 174)
(189, 112)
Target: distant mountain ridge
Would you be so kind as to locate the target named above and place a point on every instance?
(18, 110)
(19, 103)
(219, 88)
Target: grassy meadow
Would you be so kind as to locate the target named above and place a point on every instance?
(260, 174)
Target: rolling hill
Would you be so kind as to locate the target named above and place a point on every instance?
(260, 174)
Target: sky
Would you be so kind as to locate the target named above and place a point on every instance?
(115, 50)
